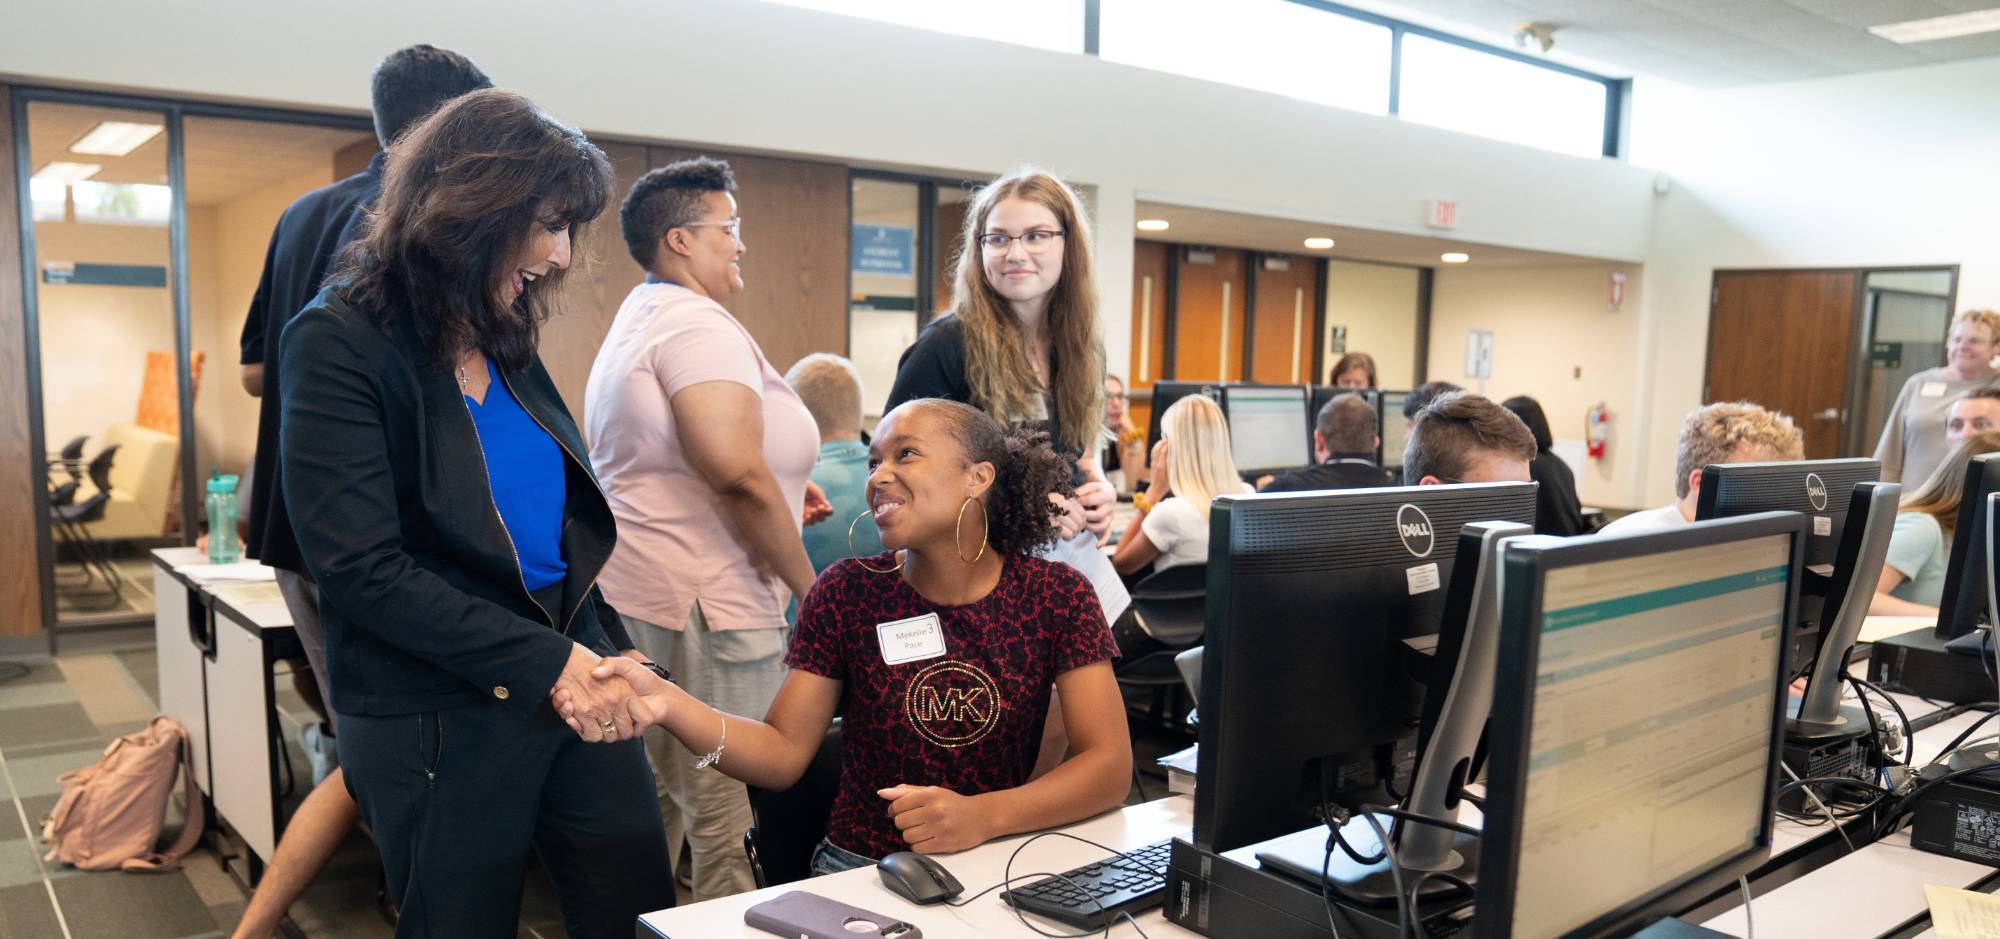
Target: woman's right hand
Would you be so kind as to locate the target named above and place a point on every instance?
(1158, 485)
(596, 709)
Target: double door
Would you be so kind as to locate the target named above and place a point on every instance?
(1222, 315)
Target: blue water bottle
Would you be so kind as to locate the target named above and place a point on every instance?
(223, 548)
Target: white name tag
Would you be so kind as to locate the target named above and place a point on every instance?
(1822, 525)
(1931, 389)
(911, 640)
(1423, 578)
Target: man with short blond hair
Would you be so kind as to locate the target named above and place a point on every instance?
(1724, 432)
(830, 386)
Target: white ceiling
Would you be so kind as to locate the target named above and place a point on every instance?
(225, 158)
(1215, 228)
(1711, 43)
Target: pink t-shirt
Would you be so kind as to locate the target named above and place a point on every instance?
(674, 545)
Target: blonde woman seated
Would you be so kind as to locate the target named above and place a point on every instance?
(1192, 462)
(1913, 574)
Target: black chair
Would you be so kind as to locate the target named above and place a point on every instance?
(785, 826)
(71, 522)
(70, 458)
(1169, 608)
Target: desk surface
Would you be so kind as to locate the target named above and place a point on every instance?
(246, 591)
(977, 869)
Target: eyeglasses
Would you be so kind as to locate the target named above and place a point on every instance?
(735, 226)
(1036, 240)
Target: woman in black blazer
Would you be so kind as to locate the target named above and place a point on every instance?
(442, 506)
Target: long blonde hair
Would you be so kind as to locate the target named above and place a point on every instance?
(1941, 494)
(1200, 465)
(996, 353)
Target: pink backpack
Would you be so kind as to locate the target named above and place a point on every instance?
(110, 813)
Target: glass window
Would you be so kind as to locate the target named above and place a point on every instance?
(882, 314)
(1451, 86)
(1270, 45)
(50, 198)
(122, 203)
(1044, 24)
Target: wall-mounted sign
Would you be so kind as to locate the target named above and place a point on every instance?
(1443, 214)
(1615, 292)
(1478, 353)
(1885, 354)
(104, 275)
(889, 250)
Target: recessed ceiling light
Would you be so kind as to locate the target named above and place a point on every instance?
(61, 172)
(115, 138)
(1319, 244)
(1940, 27)
(1152, 224)
(1454, 257)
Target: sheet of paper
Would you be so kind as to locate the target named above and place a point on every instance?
(1878, 628)
(1963, 914)
(261, 601)
(241, 572)
(1081, 552)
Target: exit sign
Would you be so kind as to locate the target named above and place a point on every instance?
(1444, 213)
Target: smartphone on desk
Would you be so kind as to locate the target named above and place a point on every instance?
(802, 915)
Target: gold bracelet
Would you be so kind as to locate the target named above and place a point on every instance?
(1142, 502)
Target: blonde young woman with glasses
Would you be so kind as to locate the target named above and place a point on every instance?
(1192, 464)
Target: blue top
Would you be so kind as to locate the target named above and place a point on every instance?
(524, 468)
(842, 471)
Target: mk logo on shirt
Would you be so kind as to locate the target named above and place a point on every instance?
(952, 704)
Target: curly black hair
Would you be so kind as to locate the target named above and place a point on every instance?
(1020, 519)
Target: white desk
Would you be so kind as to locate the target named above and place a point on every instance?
(217, 631)
(977, 869)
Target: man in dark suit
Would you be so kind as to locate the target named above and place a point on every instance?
(407, 86)
(1344, 442)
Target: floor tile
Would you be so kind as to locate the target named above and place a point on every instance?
(49, 722)
(26, 913)
(105, 689)
(113, 903)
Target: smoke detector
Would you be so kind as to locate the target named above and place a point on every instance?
(1540, 35)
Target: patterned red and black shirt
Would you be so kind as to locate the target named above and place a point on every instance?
(969, 720)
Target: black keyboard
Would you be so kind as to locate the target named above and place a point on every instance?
(1096, 893)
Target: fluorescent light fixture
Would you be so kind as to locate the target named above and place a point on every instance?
(1319, 244)
(61, 172)
(115, 138)
(1454, 257)
(1152, 224)
(1940, 27)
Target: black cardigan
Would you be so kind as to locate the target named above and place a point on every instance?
(934, 367)
(420, 593)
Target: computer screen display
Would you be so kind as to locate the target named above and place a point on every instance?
(1395, 428)
(1264, 427)
(1963, 604)
(1651, 721)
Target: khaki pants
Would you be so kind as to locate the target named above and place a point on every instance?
(737, 671)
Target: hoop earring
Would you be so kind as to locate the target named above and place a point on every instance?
(985, 523)
(857, 558)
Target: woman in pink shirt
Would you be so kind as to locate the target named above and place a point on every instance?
(703, 452)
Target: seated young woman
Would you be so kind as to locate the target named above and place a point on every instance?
(939, 655)
(1192, 464)
(1913, 573)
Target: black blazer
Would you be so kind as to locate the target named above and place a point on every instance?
(420, 592)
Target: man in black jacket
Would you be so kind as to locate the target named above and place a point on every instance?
(1344, 442)
(407, 86)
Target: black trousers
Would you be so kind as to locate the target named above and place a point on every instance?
(459, 798)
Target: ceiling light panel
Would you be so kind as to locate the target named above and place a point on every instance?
(115, 138)
(62, 172)
(1940, 27)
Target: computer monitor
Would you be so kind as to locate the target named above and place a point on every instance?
(1636, 722)
(1306, 694)
(1818, 489)
(1963, 606)
(1395, 428)
(1164, 394)
(1264, 427)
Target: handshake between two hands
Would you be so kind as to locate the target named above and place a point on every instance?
(606, 700)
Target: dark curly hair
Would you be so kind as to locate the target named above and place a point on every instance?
(667, 198)
(1020, 519)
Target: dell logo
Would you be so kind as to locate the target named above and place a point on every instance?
(1816, 492)
(1414, 527)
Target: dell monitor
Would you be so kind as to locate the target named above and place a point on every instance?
(1164, 394)
(1264, 427)
(1636, 723)
(1307, 699)
(1818, 489)
(1395, 427)
(1962, 608)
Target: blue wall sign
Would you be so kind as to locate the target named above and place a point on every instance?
(884, 249)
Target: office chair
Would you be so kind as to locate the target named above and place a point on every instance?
(71, 523)
(785, 826)
(1171, 610)
(70, 458)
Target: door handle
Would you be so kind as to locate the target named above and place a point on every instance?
(1830, 414)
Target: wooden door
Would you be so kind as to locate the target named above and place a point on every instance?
(1149, 324)
(1282, 333)
(1781, 339)
(1208, 315)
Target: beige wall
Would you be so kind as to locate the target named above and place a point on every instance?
(1378, 305)
(1555, 339)
(94, 339)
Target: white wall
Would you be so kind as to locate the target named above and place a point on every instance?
(1378, 305)
(1882, 168)
(94, 339)
(1556, 340)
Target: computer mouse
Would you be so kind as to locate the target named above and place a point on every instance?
(916, 878)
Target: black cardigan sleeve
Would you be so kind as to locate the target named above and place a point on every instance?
(933, 366)
(340, 487)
